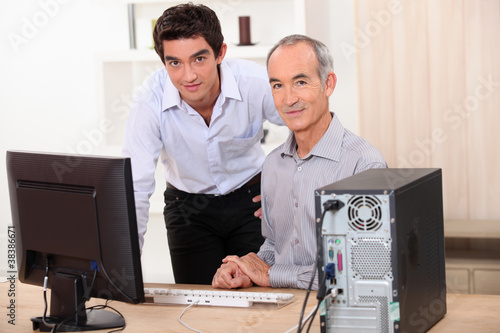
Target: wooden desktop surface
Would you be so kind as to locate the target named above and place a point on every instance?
(466, 313)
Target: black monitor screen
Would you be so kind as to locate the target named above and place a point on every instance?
(76, 228)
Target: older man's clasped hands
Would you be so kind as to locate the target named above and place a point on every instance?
(242, 272)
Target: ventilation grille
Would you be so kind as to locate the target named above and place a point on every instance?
(430, 223)
(384, 310)
(371, 259)
(55, 187)
(365, 213)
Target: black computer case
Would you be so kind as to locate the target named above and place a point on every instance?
(381, 250)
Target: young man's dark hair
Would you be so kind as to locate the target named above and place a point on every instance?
(188, 21)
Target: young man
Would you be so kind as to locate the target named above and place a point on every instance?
(202, 115)
(318, 152)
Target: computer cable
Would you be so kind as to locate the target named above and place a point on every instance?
(327, 206)
(305, 320)
(86, 297)
(106, 306)
(103, 266)
(328, 295)
(313, 314)
(55, 326)
(182, 313)
(80, 306)
(300, 326)
(45, 280)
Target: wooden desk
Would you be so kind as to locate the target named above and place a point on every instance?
(466, 313)
(156, 318)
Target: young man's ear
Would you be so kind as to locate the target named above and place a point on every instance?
(222, 53)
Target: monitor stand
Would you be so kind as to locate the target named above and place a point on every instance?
(67, 308)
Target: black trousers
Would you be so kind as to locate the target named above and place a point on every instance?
(203, 229)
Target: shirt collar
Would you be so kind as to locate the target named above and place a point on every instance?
(329, 146)
(229, 89)
(171, 96)
(229, 86)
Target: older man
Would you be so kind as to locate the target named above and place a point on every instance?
(319, 151)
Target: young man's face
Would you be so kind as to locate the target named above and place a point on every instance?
(192, 68)
(300, 95)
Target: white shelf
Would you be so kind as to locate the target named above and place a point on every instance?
(234, 51)
(248, 52)
(128, 56)
(270, 20)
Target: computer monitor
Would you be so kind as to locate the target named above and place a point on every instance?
(76, 232)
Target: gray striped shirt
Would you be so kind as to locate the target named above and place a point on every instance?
(288, 211)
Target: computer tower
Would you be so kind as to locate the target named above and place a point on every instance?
(381, 251)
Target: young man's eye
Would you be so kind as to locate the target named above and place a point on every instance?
(174, 63)
(199, 59)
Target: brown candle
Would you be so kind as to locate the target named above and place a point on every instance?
(245, 38)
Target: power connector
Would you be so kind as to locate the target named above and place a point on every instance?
(333, 204)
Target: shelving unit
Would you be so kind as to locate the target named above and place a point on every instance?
(473, 256)
(121, 72)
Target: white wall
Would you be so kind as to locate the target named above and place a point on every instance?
(344, 100)
(332, 22)
(48, 94)
(47, 85)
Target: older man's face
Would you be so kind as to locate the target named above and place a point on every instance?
(300, 96)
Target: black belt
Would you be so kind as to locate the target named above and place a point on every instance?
(255, 179)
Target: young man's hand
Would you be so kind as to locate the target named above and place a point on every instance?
(258, 213)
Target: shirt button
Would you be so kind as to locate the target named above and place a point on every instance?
(296, 204)
(299, 169)
(296, 241)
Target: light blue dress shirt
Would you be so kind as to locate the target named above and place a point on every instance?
(197, 158)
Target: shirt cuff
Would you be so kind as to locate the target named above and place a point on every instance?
(284, 276)
(292, 276)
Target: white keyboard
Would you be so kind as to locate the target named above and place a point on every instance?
(216, 297)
